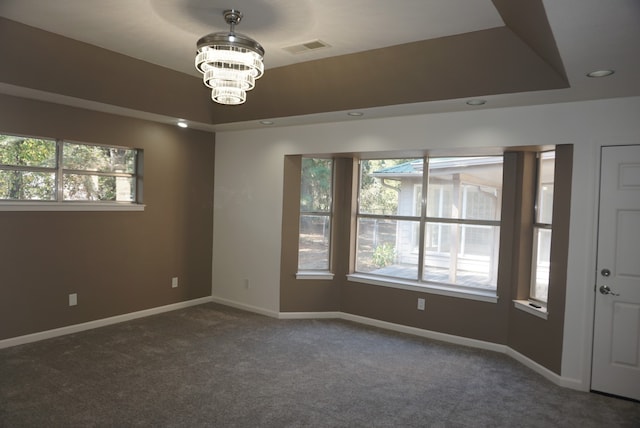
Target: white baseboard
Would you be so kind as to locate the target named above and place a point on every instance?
(396, 327)
(309, 315)
(473, 343)
(545, 372)
(48, 334)
(576, 384)
(449, 338)
(245, 307)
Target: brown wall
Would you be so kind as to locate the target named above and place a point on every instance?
(538, 339)
(502, 63)
(71, 68)
(117, 262)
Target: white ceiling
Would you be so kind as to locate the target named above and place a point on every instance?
(590, 34)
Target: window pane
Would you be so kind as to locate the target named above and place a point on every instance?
(459, 254)
(465, 188)
(387, 247)
(546, 168)
(315, 185)
(81, 187)
(98, 158)
(314, 242)
(387, 187)
(541, 258)
(22, 151)
(27, 185)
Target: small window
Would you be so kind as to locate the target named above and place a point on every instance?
(98, 173)
(542, 227)
(38, 169)
(27, 168)
(316, 206)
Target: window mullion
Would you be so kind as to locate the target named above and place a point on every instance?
(100, 173)
(423, 216)
(26, 168)
(59, 173)
(470, 222)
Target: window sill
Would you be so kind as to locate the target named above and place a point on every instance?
(524, 305)
(70, 206)
(443, 290)
(314, 275)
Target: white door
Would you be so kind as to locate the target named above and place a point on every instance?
(616, 337)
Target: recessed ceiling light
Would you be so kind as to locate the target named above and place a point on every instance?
(355, 113)
(476, 102)
(182, 124)
(266, 122)
(600, 73)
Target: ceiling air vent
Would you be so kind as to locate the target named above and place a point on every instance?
(306, 47)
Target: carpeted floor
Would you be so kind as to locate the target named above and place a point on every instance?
(213, 366)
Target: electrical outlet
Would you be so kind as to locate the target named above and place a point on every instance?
(246, 284)
(420, 304)
(174, 282)
(73, 299)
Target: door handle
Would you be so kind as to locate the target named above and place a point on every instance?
(604, 289)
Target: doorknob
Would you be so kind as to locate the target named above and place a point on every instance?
(604, 289)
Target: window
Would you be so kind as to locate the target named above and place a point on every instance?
(98, 173)
(316, 190)
(38, 169)
(541, 253)
(27, 168)
(449, 236)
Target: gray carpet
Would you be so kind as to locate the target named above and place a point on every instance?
(213, 366)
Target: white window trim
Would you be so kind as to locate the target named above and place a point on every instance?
(525, 305)
(318, 275)
(489, 296)
(70, 206)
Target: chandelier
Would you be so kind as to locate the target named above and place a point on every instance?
(230, 63)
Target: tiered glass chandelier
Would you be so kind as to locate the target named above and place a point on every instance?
(229, 62)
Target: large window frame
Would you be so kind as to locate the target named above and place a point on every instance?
(119, 188)
(418, 222)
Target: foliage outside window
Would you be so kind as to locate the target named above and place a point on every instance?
(449, 236)
(316, 189)
(38, 169)
(542, 226)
